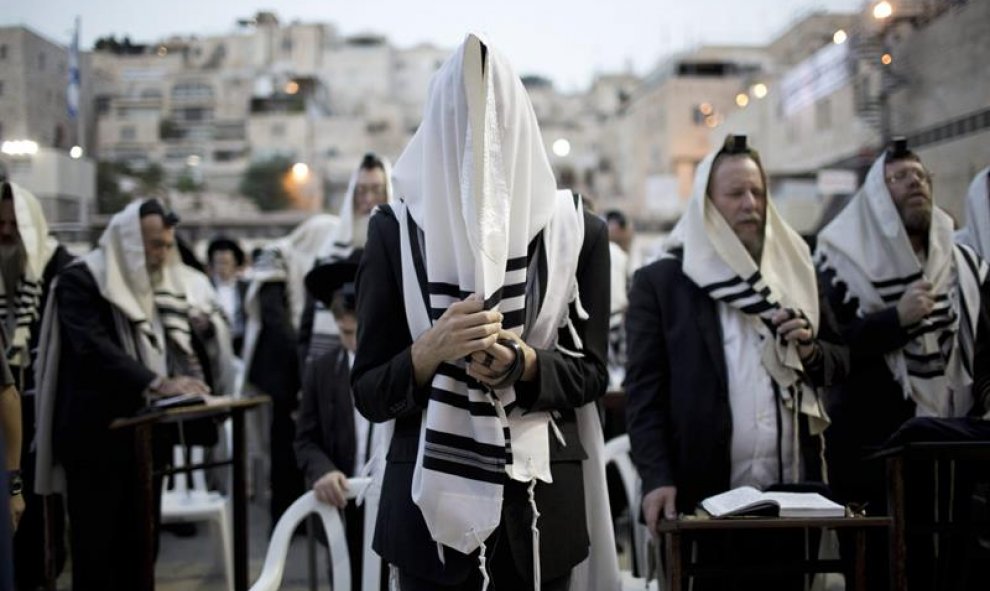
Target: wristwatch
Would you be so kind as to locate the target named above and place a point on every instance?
(16, 482)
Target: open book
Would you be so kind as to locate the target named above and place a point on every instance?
(746, 500)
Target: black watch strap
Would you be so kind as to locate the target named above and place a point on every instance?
(16, 482)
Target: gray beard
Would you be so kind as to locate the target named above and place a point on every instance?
(359, 231)
(12, 257)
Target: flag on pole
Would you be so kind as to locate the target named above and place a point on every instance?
(72, 92)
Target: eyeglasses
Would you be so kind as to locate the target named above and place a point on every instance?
(375, 190)
(910, 174)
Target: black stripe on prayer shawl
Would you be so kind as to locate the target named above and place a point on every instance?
(477, 409)
(446, 289)
(931, 327)
(897, 281)
(970, 262)
(516, 263)
(922, 358)
(926, 375)
(466, 471)
(465, 450)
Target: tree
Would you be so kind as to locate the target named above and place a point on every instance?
(109, 196)
(264, 183)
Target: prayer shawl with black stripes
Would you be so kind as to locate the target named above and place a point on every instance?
(715, 259)
(869, 250)
(118, 268)
(976, 233)
(477, 188)
(25, 304)
(349, 234)
(285, 260)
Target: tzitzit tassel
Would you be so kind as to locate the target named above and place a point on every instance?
(536, 536)
(482, 560)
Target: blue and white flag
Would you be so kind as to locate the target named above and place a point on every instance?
(72, 91)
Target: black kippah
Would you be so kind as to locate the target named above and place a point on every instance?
(154, 207)
(735, 144)
(898, 149)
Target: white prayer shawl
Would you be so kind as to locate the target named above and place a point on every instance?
(476, 181)
(338, 246)
(976, 233)
(715, 259)
(869, 250)
(203, 299)
(118, 268)
(39, 247)
(287, 260)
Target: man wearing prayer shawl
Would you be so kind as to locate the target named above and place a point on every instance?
(728, 345)
(913, 307)
(29, 260)
(976, 233)
(482, 335)
(274, 307)
(115, 336)
(370, 186)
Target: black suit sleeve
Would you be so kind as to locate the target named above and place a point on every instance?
(275, 367)
(565, 381)
(86, 337)
(382, 378)
(306, 328)
(312, 460)
(647, 383)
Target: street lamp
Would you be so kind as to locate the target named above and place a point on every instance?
(561, 147)
(300, 172)
(742, 99)
(883, 13)
(840, 37)
(76, 152)
(19, 147)
(759, 90)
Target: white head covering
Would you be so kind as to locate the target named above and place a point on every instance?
(118, 266)
(341, 241)
(39, 248)
(976, 233)
(715, 259)
(476, 182)
(868, 249)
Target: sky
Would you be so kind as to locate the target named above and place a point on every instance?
(568, 41)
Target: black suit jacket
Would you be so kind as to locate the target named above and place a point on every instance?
(677, 410)
(385, 388)
(98, 381)
(325, 431)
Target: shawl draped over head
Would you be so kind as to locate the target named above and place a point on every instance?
(25, 302)
(339, 245)
(715, 259)
(868, 249)
(976, 233)
(476, 189)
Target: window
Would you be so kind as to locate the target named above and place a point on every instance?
(1, 87)
(127, 133)
(191, 91)
(3, 51)
(41, 61)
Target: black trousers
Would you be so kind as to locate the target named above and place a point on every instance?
(105, 517)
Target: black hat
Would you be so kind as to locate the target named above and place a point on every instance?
(223, 243)
(326, 279)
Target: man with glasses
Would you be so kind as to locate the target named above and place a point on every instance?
(912, 307)
(370, 186)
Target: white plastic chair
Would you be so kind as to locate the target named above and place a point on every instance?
(617, 453)
(182, 503)
(278, 547)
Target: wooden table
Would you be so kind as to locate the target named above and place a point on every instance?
(932, 452)
(676, 532)
(143, 426)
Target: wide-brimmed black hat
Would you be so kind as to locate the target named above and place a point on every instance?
(324, 280)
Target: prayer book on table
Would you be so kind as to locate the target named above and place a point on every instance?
(177, 401)
(747, 501)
